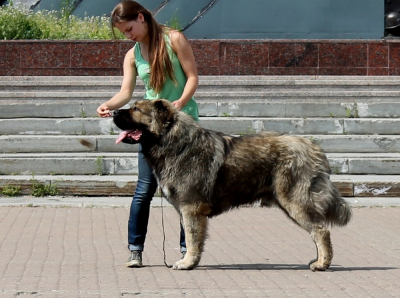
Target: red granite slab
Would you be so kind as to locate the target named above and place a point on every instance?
(37, 55)
(282, 55)
(213, 57)
(95, 72)
(244, 70)
(394, 71)
(9, 56)
(206, 53)
(394, 55)
(124, 47)
(347, 55)
(378, 54)
(210, 71)
(95, 55)
(244, 54)
(306, 71)
(46, 71)
(378, 71)
(306, 55)
(343, 71)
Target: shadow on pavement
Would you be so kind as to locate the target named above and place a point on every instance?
(289, 267)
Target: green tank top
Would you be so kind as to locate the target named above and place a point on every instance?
(170, 91)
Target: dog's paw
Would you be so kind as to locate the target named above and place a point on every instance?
(315, 265)
(182, 265)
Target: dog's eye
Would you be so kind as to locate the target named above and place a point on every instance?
(135, 109)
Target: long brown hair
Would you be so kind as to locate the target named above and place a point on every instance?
(160, 63)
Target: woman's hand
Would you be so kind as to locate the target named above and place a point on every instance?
(179, 104)
(103, 111)
(125, 94)
(183, 50)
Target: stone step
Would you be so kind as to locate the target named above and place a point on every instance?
(104, 163)
(31, 108)
(260, 95)
(62, 144)
(77, 185)
(81, 83)
(69, 164)
(106, 143)
(300, 108)
(301, 126)
(354, 119)
(209, 78)
(355, 186)
(229, 125)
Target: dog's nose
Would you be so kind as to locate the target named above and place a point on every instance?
(115, 113)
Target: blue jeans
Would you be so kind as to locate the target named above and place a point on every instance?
(140, 207)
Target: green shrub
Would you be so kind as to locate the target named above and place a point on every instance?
(175, 21)
(24, 24)
(18, 24)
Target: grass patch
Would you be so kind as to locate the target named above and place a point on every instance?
(10, 190)
(100, 165)
(42, 190)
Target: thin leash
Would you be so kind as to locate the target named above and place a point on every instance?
(162, 223)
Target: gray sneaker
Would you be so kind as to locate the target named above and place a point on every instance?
(135, 260)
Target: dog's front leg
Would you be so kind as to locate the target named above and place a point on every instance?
(195, 226)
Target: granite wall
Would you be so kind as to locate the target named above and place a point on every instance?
(214, 57)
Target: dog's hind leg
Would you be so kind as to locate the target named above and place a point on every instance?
(322, 239)
(319, 233)
(195, 225)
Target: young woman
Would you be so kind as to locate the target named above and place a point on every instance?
(163, 59)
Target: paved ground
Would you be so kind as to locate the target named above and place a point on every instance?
(71, 251)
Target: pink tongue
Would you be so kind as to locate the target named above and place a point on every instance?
(121, 136)
(134, 134)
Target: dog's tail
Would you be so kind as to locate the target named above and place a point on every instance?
(336, 211)
(339, 212)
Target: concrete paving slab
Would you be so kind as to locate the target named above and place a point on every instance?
(125, 201)
(251, 252)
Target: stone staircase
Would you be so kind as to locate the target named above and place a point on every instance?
(50, 132)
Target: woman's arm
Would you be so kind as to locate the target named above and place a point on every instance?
(183, 50)
(127, 87)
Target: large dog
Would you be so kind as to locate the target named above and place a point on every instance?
(204, 173)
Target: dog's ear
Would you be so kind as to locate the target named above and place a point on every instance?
(162, 105)
(162, 115)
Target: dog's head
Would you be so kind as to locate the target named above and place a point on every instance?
(145, 118)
